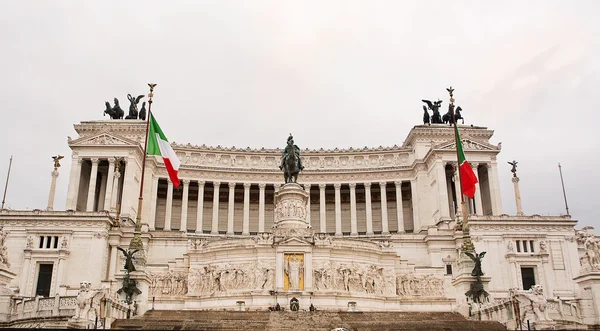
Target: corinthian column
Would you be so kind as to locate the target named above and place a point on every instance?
(246, 220)
(54, 174)
(153, 197)
(169, 207)
(200, 209)
(353, 222)
(478, 202)
(368, 208)
(184, 205)
(385, 228)
(109, 183)
(215, 211)
(322, 211)
(338, 209)
(230, 210)
(92, 186)
(399, 207)
(261, 207)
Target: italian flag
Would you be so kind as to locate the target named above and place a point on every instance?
(159, 145)
(467, 176)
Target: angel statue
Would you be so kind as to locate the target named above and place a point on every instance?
(56, 159)
(477, 272)
(436, 118)
(128, 259)
(133, 111)
(514, 167)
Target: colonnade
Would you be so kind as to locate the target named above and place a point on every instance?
(322, 222)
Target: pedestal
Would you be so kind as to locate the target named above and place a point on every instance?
(290, 207)
(6, 276)
(143, 284)
(589, 283)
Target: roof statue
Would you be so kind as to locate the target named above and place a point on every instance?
(291, 164)
(447, 118)
(514, 167)
(143, 111)
(436, 118)
(56, 160)
(426, 119)
(115, 112)
(133, 111)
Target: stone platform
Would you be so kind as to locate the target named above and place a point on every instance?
(319, 320)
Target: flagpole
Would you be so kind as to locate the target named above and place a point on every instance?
(136, 241)
(563, 187)
(6, 186)
(467, 245)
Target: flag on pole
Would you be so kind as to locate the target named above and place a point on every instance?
(467, 176)
(159, 145)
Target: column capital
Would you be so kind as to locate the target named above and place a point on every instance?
(216, 184)
(79, 161)
(352, 186)
(367, 185)
(169, 182)
(231, 185)
(186, 182)
(474, 164)
(111, 160)
(382, 184)
(95, 160)
(247, 186)
(322, 186)
(398, 183)
(307, 187)
(488, 165)
(201, 183)
(262, 186)
(337, 186)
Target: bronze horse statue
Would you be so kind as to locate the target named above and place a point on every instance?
(290, 161)
(447, 118)
(115, 112)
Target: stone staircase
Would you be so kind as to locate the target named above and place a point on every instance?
(320, 320)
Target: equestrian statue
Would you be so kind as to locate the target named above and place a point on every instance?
(291, 164)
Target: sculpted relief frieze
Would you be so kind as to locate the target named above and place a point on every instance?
(411, 286)
(220, 278)
(170, 283)
(354, 277)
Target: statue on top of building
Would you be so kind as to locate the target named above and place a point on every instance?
(514, 167)
(114, 112)
(56, 159)
(291, 164)
(436, 118)
(133, 111)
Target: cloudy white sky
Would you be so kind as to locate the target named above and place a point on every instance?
(353, 73)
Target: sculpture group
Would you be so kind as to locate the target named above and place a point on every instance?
(116, 113)
(436, 118)
(291, 164)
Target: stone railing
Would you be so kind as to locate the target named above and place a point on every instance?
(63, 306)
(560, 312)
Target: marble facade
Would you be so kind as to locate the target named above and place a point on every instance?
(375, 227)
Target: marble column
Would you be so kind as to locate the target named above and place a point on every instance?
(215, 211)
(200, 209)
(443, 206)
(109, 183)
(92, 186)
(457, 191)
(338, 209)
(385, 228)
(368, 208)
(399, 206)
(113, 262)
(184, 205)
(307, 189)
(353, 221)
(414, 191)
(322, 210)
(515, 181)
(115, 190)
(153, 200)
(261, 207)
(478, 201)
(169, 206)
(73, 194)
(494, 189)
(246, 219)
(54, 174)
(101, 195)
(230, 210)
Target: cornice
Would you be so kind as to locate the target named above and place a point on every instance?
(426, 133)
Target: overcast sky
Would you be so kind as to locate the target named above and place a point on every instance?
(352, 73)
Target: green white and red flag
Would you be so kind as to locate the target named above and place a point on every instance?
(467, 176)
(158, 144)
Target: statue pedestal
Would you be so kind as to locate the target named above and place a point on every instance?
(589, 283)
(290, 207)
(6, 276)
(143, 284)
(462, 284)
